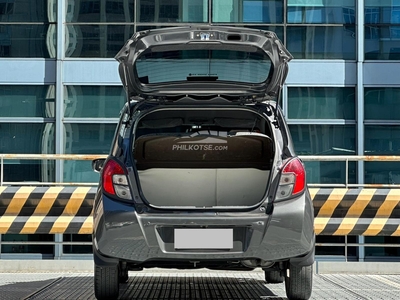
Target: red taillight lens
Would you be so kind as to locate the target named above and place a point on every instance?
(297, 169)
(292, 180)
(110, 169)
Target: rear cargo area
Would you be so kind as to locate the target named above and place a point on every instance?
(203, 158)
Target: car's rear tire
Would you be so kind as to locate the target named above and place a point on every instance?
(106, 282)
(299, 282)
(274, 276)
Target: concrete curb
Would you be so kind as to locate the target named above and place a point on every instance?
(364, 268)
(54, 266)
(78, 266)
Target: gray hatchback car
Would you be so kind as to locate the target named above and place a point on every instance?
(202, 172)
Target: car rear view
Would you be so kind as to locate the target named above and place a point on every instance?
(202, 171)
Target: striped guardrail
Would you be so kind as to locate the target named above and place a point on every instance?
(369, 212)
(47, 210)
(338, 211)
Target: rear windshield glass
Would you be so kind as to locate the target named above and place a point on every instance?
(203, 65)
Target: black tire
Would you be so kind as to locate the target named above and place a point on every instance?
(299, 282)
(106, 285)
(274, 276)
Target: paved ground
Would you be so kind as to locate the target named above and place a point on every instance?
(195, 285)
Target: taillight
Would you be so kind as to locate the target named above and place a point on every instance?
(292, 181)
(115, 181)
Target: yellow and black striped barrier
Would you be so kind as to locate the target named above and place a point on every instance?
(47, 210)
(369, 212)
(50, 210)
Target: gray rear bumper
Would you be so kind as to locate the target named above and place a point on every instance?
(121, 233)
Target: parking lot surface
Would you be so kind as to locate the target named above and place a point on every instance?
(171, 284)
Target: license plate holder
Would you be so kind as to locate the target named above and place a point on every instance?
(203, 238)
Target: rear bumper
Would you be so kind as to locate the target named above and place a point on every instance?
(122, 233)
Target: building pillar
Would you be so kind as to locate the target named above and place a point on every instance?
(360, 103)
(59, 106)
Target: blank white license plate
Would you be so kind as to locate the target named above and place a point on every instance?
(200, 238)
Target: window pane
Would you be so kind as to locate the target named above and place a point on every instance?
(173, 11)
(28, 40)
(100, 11)
(28, 11)
(326, 140)
(21, 170)
(382, 251)
(382, 140)
(29, 170)
(85, 139)
(147, 27)
(382, 103)
(77, 249)
(382, 172)
(330, 42)
(323, 139)
(93, 101)
(316, 12)
(88, 138)
(330, 172)
(277, 29)
(248, 11)
(27, 101)
(335, 250)
(79, 171)
(378, 11)
(44, 251)
(96, 40)
(321, 103)
(382, 42)
(27, 139)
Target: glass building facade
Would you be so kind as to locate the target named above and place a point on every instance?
(60, 91)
